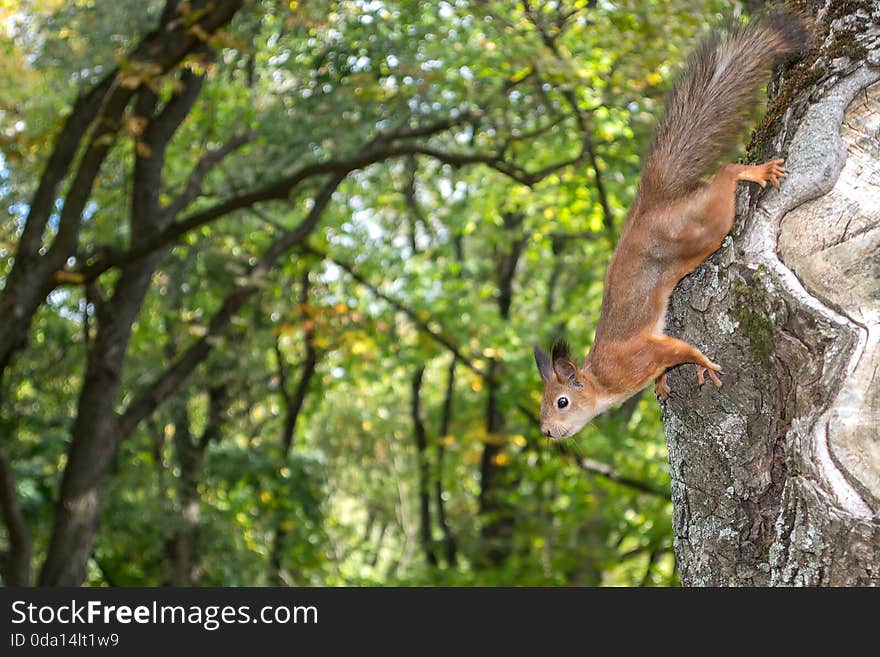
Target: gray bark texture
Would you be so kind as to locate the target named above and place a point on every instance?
(776, 476)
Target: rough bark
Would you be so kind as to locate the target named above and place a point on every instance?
(776, 477)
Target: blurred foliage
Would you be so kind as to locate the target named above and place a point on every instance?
(314, 81)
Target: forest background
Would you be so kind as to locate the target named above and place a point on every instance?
(269, 296)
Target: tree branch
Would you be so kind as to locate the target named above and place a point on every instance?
(173, 376)
(204, 166)
(372, 153)
(157, 53)
(549, 41)
(415, 215)
(169, 380)
(163, 126)
(406, 310)
(450, 546)
(592, 466)
(293, 401)
(98, 111)
(147, 217)
(218, 402)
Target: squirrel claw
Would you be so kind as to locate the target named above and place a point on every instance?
(770, 172)
(662, 388)
(711, 371)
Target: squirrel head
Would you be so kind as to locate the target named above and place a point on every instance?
(570, 395)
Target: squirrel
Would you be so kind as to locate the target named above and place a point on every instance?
(676, 221)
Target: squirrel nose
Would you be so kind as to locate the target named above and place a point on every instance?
(546, 432)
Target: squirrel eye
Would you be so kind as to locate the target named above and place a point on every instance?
(562, 402)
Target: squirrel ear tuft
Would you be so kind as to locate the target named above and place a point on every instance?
(560, 350)
(563, 364)
(545, 365)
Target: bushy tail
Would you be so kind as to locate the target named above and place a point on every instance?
(708, 108)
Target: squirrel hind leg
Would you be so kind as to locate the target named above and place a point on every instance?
(711, 370)
(770, 172)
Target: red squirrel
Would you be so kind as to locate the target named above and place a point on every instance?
(676, 221)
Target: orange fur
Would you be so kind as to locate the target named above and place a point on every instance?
(675, 223)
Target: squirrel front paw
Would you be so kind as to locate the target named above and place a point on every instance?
(662, 388)
(710, 369)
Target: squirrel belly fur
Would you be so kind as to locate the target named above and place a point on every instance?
(676, 221)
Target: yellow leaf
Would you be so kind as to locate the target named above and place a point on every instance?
(199, 32)
(134, 125)
(69, 277)
(493, 439)
(129, 81)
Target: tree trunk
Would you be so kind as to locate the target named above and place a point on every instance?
(450, 545)
(93, 442)
(33, 274)
(420, 436)
(182, 546)
(94, 434)
(293, 403)
(776, 476)
(498, 515)
(15, 563)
